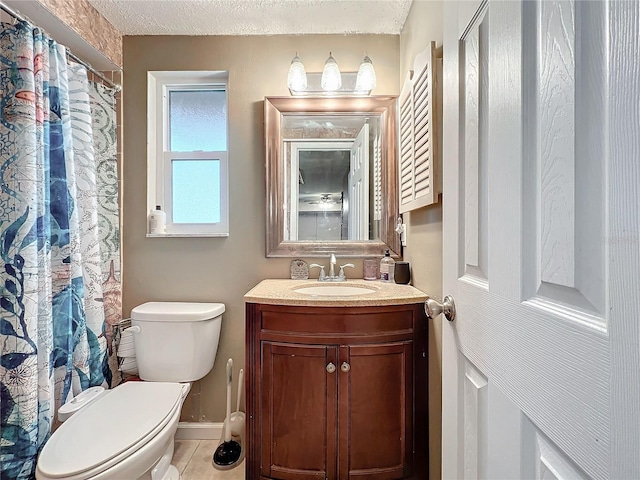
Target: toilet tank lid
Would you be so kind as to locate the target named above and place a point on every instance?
(177, 311)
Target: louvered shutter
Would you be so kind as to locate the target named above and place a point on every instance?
(417, 135)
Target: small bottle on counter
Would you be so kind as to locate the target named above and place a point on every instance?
(370, 269)
(387, 267)
(157, 221)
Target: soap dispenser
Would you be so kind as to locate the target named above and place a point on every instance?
(387, 267)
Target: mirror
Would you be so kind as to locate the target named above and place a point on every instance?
(331, 172)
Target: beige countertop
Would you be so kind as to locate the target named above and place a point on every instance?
(283, 292)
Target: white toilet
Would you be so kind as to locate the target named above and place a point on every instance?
(127, 432)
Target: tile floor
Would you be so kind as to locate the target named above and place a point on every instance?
(193, 460)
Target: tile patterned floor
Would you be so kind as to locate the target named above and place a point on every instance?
(193, 460)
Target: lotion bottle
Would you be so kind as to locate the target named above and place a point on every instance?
(387, 267)
(157, 221)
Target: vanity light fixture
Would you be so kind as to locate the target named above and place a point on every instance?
(297, 79)
(366, 79)
(331, 78)
(331, 82)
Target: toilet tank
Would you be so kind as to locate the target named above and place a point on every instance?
(176, 341)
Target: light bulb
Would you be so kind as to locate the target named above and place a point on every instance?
(297, 78)
(366, 79)
(331, 78)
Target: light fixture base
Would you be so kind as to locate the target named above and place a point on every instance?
(315, 90)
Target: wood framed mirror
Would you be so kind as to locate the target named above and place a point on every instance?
(331, 176)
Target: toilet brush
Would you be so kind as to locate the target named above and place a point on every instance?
(229, 451)
(237, 418)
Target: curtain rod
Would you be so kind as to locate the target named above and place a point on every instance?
(17, 15)
(106, 80)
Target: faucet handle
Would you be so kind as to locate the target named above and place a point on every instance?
(341, 275)
(322, 275)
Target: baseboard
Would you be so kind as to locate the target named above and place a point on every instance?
(199, 431)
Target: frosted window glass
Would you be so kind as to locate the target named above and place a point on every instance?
(196, 191)
(197, 120)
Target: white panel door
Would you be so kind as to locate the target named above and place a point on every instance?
(541, 367)
(359, 186)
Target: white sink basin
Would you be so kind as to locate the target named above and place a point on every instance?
(334, 290)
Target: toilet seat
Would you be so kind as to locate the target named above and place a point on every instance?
(109, 430)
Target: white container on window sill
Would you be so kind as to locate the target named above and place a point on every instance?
(157, 221)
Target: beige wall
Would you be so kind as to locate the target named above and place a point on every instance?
(424, 226)
(222, 269)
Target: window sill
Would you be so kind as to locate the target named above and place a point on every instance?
(186, 235)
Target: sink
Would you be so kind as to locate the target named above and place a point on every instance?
(334, 290)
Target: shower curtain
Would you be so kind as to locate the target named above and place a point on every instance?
(59, 297)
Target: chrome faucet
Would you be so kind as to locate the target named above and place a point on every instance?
(332, 277)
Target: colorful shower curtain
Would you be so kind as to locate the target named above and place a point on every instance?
(56, 313)
(105, 142)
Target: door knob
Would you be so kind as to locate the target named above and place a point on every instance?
(433, 308)
(345, 367)
(331, 368)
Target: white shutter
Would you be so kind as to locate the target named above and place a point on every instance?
(377, 179)
(418, 149)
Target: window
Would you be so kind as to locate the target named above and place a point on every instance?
(187, 165)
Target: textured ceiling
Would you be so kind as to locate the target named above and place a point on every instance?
(254, 17)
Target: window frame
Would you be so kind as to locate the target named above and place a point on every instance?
(159, 157)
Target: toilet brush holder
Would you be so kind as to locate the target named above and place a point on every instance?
(237, 429)
(236, 420)
(230, 451)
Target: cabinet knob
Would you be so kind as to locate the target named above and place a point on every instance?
(345, 367)
(331, 368)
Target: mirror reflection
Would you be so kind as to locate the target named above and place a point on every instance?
(333, 166)
(331, 176)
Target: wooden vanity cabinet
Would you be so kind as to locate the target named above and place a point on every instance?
(336, 393)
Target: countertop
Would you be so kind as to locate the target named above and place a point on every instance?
(282, 292)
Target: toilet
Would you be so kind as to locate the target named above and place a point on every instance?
(127, 432)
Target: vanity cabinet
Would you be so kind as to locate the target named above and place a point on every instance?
(336, 392)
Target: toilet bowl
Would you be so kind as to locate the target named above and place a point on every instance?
(127, 432)
(122, 434)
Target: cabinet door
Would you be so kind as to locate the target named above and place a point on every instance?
(375, 411)
(298, 411)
